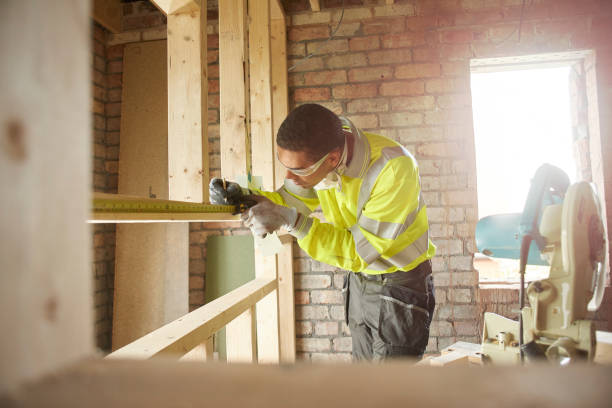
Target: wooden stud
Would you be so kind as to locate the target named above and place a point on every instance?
(276, 10)
(314, 5)
(189, 331)
(108, 14)
(286, 301)
(45, 175)
(187, 105)
(241, 338)
(177, 6)
(280, 90)
(233, 88)
(202, 352)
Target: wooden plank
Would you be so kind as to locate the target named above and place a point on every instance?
(262, 151)
(151, 283)
(472, 350)
(202, 352)
(135, 218)
(241, 338)
(177, 6)
(187, 106)
(183, 334)
(167, 384)
(45, 176)
(234, 109)
(276, 10)
(389, 2)
(314, 5)
(280, 90)
(108, 14)
(286, 301)
(454, 358)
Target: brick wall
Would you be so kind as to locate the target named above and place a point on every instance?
(403, 72)
(105, 88)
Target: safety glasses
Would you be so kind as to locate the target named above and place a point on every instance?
(307, 171)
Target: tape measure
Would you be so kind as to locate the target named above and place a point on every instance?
(122, 205)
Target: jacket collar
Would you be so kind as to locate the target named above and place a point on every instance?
(360, 159)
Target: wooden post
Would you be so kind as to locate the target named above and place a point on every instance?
(241, 338)
(45, 244)
(151, 279)
(263, 165)
(286, 301)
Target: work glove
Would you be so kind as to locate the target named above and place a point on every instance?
(231, 194)
(266, 217)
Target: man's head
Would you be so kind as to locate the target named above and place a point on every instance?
(310, 142)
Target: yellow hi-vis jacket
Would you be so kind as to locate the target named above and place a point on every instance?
(377, 217)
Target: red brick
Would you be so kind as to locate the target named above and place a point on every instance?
(454, 101)
(311, 94)
(425, 70)
(389, 57)
(113, 109)
(213, 71)
(364, 43)
(114, 95)
(196, 282)
(457, 68)
(113, 124)
(413, 103)
(403, 40)
(303, 328)
(327, 47)
(456, 36)
(370, 74)
(400, 119)
(368, 105)
(354, 91)
(114, 67)
(114, 80)
(99, 78)
(213, 41)
(449, 116)
(325, 77)
(196, 297)
(364, 121)
(97, 107)
(469, 328)
(308, 33)
(326, 297)
(447, 85)
(426, 54)
(302, 297)
(421, 23)
(312, 344)
(213, 86)
(383, 25)
(347, 61)
(195, 252)
(326, 329)
(212, 56)
(455, 51)
(311, 64)
(402, 88)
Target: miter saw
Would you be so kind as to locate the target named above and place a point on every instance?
(565, 223)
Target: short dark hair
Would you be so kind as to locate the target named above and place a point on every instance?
(311, 128)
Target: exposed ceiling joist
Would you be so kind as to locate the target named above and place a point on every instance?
(177, 6)
(314, 5)
(108, 14)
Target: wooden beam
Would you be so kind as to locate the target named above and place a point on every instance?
(177, 6)
(314, 5)
(187, 106)
(108, 13)
(202, 352)
(280, 90)
(45, 175)
(165, 383)
(390, 2)
(241, 338)
(233, 90)
(286, 301)
(182, 335)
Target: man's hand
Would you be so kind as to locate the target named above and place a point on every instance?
(267, 217)
(224, 192)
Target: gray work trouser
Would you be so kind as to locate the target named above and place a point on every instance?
(389, 315)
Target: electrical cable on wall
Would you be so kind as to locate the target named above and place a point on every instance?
(517, 28)
(315, 52)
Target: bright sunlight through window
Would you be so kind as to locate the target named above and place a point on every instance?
(521, 120)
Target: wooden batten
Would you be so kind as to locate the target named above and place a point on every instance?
(280, 90)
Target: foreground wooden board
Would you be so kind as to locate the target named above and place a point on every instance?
(166, 384)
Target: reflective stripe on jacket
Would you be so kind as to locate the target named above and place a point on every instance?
(376, 219)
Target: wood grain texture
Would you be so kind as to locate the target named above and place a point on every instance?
(241, 338)
(280, 89)
(233, 67)
(45, 176)
(168, 384)
(286, 301)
